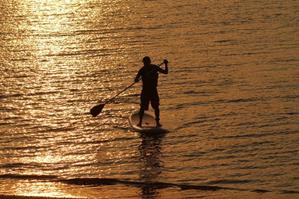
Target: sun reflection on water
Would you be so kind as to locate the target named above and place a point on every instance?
(42, 189)
(43, 35)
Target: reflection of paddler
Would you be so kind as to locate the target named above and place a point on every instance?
(151, 168)
(149, 74)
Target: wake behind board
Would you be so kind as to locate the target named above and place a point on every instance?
(148, 124)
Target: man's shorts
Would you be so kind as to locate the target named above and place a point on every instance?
(149, 96)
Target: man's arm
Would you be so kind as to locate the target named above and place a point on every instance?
(161, 70)
(137, 78)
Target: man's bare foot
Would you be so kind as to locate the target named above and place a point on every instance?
(158, 125)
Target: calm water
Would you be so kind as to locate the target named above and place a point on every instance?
(230, 100)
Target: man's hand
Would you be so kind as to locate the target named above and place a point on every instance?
(165, 61)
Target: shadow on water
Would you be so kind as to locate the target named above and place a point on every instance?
(151, 166)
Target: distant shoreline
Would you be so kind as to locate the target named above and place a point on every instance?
(33, 197)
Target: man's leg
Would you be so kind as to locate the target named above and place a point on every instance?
(157, 115)
(155, 102)
(141, 113)
(144, 102)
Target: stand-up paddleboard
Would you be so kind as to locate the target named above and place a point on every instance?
(148, 123)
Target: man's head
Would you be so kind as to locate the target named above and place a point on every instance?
(146, 60)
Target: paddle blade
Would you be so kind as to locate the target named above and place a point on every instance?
(96, 109)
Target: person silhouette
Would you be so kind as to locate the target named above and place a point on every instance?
(149, 74)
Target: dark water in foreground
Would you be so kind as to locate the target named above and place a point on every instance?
(230, 100)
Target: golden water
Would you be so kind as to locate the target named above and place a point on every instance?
(230, 100)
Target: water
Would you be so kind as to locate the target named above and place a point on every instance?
(230, 99)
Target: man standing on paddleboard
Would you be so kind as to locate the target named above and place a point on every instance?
(149, 74)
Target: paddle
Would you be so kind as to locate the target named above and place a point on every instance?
(96, 110)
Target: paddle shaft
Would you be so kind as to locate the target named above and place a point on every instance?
(111, 99)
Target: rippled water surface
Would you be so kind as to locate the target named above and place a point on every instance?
(230, 100)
